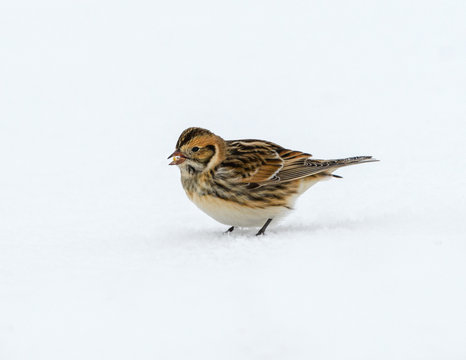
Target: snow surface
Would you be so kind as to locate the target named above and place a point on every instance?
(102, 256)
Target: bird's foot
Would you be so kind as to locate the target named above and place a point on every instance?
(262, 230)
(229, 230)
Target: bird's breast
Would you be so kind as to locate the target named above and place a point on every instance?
(230, 213)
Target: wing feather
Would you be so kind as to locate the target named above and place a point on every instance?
(258, 161)
(262, 162)
(251, 161)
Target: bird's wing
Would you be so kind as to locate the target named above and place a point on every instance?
(263, 163)
(258, 161)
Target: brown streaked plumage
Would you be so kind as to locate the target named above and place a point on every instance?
(247, 182)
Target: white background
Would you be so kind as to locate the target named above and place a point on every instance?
(102, 256)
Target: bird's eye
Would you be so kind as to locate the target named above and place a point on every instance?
(195, 149)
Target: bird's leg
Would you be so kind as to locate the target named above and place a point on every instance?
(262, 230)
(230, 230)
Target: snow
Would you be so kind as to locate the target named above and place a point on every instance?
(102, 256)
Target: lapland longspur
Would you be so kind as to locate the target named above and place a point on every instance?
(247, 182)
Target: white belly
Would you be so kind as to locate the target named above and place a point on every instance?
(232, 214)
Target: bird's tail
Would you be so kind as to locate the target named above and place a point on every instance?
(331, 165)
(351, 161)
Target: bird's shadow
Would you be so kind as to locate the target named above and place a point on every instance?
(290, 229)
(373, 221)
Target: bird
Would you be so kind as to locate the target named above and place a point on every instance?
(248, 182)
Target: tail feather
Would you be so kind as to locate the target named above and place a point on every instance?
(334, 164)
(311, 167)
(340, 162)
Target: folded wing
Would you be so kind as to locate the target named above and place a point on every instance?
(262, 163)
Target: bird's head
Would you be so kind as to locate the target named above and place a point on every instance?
(198, 149)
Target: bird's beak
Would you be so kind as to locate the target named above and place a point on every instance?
(178, 158)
